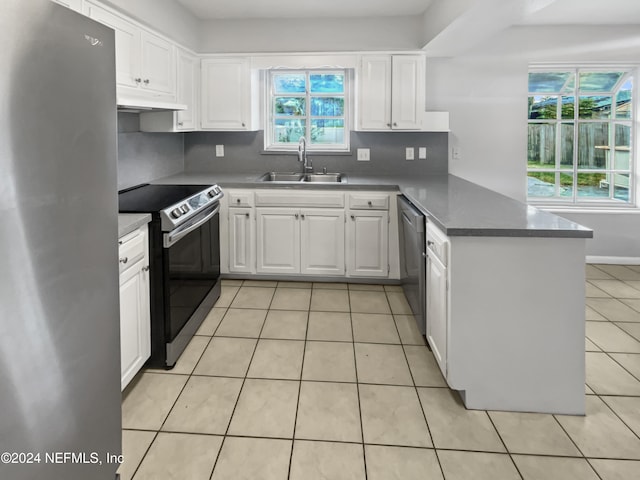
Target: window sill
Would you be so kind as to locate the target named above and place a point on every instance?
(627, 209)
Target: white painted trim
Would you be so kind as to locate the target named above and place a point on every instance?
(613, 260)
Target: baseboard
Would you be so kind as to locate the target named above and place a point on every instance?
(613, 260)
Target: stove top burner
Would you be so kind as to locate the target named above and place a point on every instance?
(175, 204)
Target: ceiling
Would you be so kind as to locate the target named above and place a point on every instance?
(243, 9)
(589, 12)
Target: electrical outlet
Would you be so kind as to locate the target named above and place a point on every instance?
(219, 150)
(410, 153)
(422, 153)
(363, 154)
(455, 153)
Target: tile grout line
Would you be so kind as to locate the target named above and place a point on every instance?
(355, 367)
(424, 414)
(255, 347)
(504, 444)
(295, 418)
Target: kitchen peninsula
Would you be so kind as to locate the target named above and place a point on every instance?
(501, 255)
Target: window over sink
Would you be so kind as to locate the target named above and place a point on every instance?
(313, 104)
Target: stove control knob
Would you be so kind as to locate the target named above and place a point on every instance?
(213, 192)
(175, 213)
(184, 209)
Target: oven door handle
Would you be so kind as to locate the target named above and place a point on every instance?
(174, 237)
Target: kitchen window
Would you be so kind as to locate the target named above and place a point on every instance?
(580, 136)
(307, 103)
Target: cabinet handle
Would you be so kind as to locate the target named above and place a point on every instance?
(395, 124)
(369, 203)
(124, 260)
(302, 216)
(296, 215)
(146, 81)
(247, 215)
(243, 124)
(389, 125)
(237, 200)
(353, 217)
(145, 268)
(180, 124)
(429, 243)
(137, 80)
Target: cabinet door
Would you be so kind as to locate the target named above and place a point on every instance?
(226, 93)
(127, 45)
(407, 97)
(374, 102)
(135, 336)
(437, 310)
(278, 240)
(158, 64)
(322, 242)
(241, 240)
(186, 90)
(368, 243)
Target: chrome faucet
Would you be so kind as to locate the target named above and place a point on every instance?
(307, 163)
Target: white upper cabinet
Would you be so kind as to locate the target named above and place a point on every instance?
(145, 63)
(227, 94)
(391, 92)
(157, 58)
(391, 95)
(187, 93)
(407, 92)
(187, 90)
(374, 102)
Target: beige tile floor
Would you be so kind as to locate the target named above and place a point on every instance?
(293, 380)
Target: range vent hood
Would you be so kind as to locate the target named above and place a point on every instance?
(140, 104)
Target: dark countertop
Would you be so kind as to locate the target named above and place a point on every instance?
(458, 207)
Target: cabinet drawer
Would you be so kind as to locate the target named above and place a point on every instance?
(301, 199)
(131, 249)
(240, 199)
(437, 243)
(369, 201)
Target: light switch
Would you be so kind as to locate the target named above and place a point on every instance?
(219, 150)
(422, 153)
(363, 154)
(410, 153)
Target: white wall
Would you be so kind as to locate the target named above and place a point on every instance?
(311, 35)
(485, 92)
(486, 100)
(166, 16)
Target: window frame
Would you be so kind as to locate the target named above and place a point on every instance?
(584, 203)
(269, 115)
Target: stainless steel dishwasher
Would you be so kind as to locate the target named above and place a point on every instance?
(411, 223)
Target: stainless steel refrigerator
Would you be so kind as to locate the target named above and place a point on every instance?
(59, 328)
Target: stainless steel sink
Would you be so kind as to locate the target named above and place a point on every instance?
(293, 177)
(281, 177)
(323, 177)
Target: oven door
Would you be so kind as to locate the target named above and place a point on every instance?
(191, 258)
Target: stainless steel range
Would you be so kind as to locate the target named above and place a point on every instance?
(184, 251)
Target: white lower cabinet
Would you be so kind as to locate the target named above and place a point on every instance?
(278, 240)
(367, 244)
(322, 242)
(308, 232)
(242, 240)
(307, 241)
(135, 326)
(368, 241)
(437, 295)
